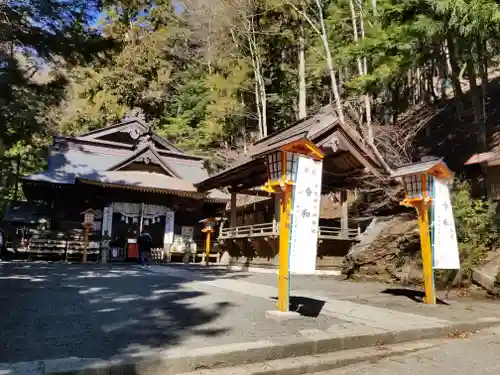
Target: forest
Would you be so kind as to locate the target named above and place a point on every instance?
(214, 76)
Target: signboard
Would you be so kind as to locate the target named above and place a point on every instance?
(305, 216)
(445, 245)
(187, 232)
(168, 236)
(107, 221)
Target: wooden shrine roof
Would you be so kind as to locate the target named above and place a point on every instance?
(125, 155)
(346, 157)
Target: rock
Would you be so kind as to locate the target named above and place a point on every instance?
(369, 269)
(486, 275)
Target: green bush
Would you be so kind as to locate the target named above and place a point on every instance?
(475, 227)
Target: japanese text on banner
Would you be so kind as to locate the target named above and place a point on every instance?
(305, 216)
(446, 255)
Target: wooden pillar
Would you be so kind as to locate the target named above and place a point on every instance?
(141, 219)
(233, 220)
(344, 216)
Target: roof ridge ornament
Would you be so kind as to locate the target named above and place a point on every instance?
(136, 113)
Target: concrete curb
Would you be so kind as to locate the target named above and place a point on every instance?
(321, 362)
(238, 268)
(181, 360)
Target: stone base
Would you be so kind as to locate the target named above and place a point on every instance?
(282, 316)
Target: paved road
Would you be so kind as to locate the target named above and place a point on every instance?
(58, 310)
(96, 311)
(477, 355)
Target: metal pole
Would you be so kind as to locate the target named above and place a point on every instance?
(207, 246)
(284, 273)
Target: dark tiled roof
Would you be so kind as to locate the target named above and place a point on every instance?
(415, 168)
(93, 162)
(314, 128)
(65, 166)
(307, 127)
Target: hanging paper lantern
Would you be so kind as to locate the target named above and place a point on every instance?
(123, 218)
(146, 221)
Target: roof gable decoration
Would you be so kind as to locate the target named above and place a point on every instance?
(146, 154)
(135, 125)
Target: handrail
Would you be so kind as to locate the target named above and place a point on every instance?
(272, 229)
(337, 233)
(256, 230)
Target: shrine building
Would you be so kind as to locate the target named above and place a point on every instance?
(132, 179)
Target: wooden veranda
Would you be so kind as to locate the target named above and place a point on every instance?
(345, 163)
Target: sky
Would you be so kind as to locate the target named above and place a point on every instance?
(94, 15)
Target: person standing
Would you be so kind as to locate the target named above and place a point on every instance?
(145, 243)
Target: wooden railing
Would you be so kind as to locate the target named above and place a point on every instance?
(327, 233)
(272, 230)
(245, 231)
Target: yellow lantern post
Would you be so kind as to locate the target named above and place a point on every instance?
(418, 180)
(281, 167)
(208, 229)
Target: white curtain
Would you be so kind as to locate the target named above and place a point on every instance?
(133, 210)
(152, 211)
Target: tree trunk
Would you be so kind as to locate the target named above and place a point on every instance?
(476, 105)
(368, 100)
(455, 70)
(355, 35)
(483, 71)
(260, 89)
(257, 105)
(321, 31)
(302, 76)
(329, 63)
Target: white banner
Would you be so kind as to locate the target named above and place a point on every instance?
(168, 237)
(107, 221)
(446, 255)
(305, 216)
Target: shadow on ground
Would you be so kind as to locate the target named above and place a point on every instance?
(305, 306)
(414, 295)
(98, 311)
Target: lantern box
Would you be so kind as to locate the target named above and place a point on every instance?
(209, 224)
(418, 178)
(88, 216)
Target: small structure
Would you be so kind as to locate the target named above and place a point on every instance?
(418, 181)
(490, 167)
(346, 161)
(208, 228)
(132, 178)
(88, 221)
